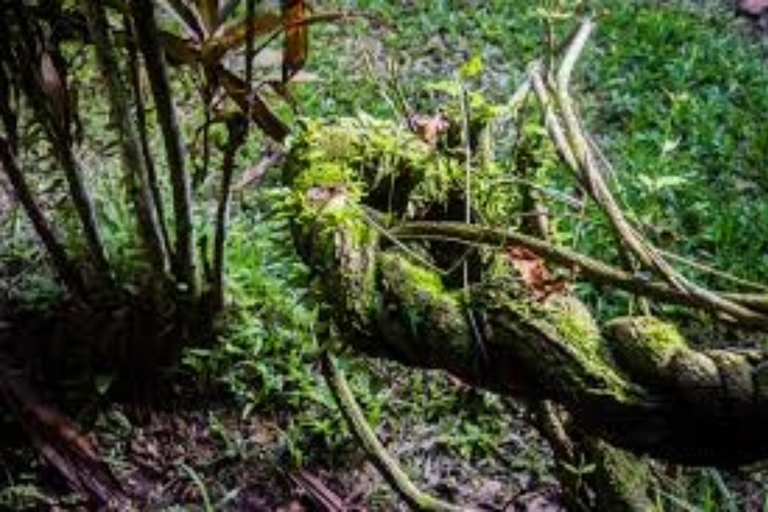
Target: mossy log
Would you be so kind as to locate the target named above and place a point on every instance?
(635, 382)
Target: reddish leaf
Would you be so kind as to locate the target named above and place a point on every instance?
(235, 36)
(296, 46)
(304, 77)
(255, 175)
(534, 273)
(55, 88)
(209, 12)
(264, 23)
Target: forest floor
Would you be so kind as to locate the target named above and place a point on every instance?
(202, 449)
(178, 447)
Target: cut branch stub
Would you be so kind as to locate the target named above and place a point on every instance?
(636, 383)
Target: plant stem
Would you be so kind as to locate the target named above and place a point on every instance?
(134, 165)
(388, 467)
(57, 130)
(238, 130)
(56, 251)
(141, 121)
(157, 71)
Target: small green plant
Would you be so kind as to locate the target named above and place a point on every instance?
(23, 497)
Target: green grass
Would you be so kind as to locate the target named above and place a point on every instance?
(674, 91)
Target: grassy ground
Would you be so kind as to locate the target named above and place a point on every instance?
(675, 93)
(673, 90)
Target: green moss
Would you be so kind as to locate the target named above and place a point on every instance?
(560, 343)
(576, 329)
(736, 376)
(420, 281)
(436, 316)
(624, 480)
(344, 256)
(324, 174)
(576, 325)
(645, 346)
(381, 157)
(696, 378)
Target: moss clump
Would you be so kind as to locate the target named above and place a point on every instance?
(343, 253)
(577, 330)
(576, 325)
(624, 480)
(735, 370)
(560, 344)
(645, 347)
(696, 378)
(398, 170)
(325, 175)
(436, 316)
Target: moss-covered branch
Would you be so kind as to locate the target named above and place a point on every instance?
(636, 383)
(594, 270)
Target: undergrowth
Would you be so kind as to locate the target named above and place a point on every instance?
(677, 95)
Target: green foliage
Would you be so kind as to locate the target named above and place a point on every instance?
(690, 91)
(266, 347)
(673, 90)
(23, 497)
(704, 490)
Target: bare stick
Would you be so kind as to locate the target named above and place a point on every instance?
(388, 467)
